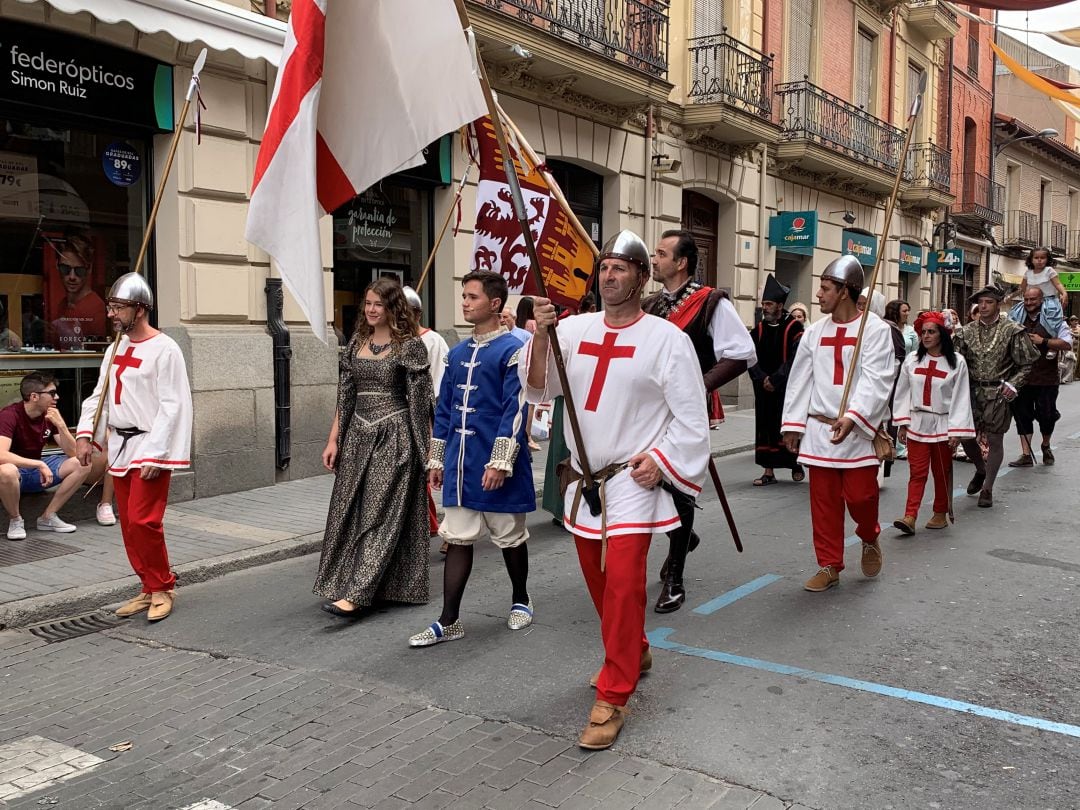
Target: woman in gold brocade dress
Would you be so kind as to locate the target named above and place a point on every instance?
(376, 542)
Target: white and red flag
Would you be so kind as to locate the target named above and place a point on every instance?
(567, 254)
(362, 88)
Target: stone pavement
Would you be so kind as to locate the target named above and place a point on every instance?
(207, 537)
(106, 722)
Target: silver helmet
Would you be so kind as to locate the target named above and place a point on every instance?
(629, 247)
(412, 297)
(846, 270)
(131, 288)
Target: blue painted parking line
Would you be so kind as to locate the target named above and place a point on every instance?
(850, 541)
(659, 639)
(736, 594)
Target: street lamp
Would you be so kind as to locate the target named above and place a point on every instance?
(1049, 132)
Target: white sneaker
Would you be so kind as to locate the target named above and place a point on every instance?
(16, 529)
(105, 514)
(54, 524)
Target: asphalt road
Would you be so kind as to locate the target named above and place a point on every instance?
(877, 694)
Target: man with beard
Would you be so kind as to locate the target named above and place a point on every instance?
(999, 357)
(724, 351)
(640, 404)
(776, 337)
(148, 412)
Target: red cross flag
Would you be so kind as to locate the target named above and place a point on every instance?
(567, 254)
(361, 90)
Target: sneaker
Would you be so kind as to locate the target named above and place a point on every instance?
(53, 523)
(521, 616)
(436, 634)
(824, 579)
(105, 515)
(16, 529)
(871, 559)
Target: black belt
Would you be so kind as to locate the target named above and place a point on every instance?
(126, 434)
(986, 383)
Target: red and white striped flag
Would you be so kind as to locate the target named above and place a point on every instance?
(362, 89)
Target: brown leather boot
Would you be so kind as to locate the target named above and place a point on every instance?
(646, 665)
(940, 520)
(824, 579)
(161, 603)
(133, 606)
(906, 524)
(605, 723)
(871, 559)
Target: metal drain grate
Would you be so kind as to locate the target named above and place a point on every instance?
(32, 550)
(74, 627)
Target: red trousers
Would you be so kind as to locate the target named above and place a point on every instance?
(618, 593)
(433, 518)
(141, 510)
(858, 491)
(925, 457)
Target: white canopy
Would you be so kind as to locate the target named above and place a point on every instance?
(217, 25)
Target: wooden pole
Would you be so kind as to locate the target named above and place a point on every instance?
(530, 248)
(442, 231)
(889, 206)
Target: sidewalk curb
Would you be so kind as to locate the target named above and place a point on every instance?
(88, 598)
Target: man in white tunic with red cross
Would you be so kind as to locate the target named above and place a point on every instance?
(147, 411)
(640, 401)
(839, 451)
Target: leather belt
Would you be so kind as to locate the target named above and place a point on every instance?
(126, 434)
(828, 420)
(986, 383)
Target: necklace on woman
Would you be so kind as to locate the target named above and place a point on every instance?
(378, 348)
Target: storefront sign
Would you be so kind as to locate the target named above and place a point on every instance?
(859, 245)
(794, 232)
(911, 258)
(18, 185)
(947, 262)
(121, 164)
(371, 222)
(1070, 281)
(47, 68)
(436, 166)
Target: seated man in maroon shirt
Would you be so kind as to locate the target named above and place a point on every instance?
(24, 428)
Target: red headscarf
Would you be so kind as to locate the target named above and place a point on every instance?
(929, 317)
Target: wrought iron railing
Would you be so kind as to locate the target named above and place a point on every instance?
(724, 70)
(979, 197)
(1021, 229)
(634, 32)
(937, 5)
(809, 113)
(928, 165)
(1072, 248)
(1054, 236)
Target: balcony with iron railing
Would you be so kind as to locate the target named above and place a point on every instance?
(979, 200)
(927, 174)
(933, 18)
(1054, 236)
(633, 33)
(824, 132)
(1021, 230)
(724, 70)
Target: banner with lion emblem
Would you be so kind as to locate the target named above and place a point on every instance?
(567, 254)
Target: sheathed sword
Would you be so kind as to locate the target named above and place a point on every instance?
(724, 503)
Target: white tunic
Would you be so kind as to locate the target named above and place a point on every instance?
(637, 389)
(436, 355)
(148, 390)
(933, 400)
(816, 386)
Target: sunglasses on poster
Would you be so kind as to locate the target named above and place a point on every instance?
(69, 269)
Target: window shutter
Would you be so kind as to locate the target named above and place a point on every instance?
(864, 69)
(800, 35)
(708, 17)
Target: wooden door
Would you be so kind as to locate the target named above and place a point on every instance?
(701, 216)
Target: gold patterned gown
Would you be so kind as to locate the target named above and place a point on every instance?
(376, 541)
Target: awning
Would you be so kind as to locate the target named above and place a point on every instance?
(1012, 278)
(217, 25)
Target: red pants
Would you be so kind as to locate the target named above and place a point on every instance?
(141, 509)
(858, 490)
(618, 593)
(924, 457)
(433, 518)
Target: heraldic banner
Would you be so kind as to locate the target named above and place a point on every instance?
(567, 255)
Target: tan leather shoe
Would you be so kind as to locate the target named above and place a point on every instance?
(161, 604)
(133, 606)
(906, 524)
(940, 520)
(824, 579)
(605, 723)
(646, 665)
(871, 559)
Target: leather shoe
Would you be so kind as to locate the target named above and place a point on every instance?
(1048, 456)
(694, 542)
(986, 499)
(133, 606)
(605, 723)
(871, 559)
(1026, 460)
(161, 604)
(334, 610)
(824, 579)
(976, 483)
(906, 524)
(940, 520)
(646, 665)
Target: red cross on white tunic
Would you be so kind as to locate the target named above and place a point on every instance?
(125, 361)
(931, 373)
(838, 342)
(604, 352)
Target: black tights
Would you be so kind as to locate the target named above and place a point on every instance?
(458, 566)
